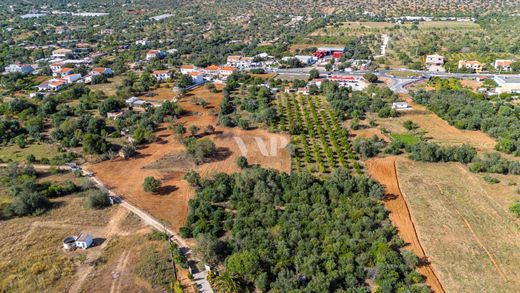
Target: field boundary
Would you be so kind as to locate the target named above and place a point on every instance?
(409, 215)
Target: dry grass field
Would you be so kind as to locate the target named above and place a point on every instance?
(436, 129)
(164, 159)
(32, 258)
(109, 88)
(384, 171)
(463, 223)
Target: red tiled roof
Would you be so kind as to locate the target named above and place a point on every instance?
(160, 72)
(228, 68)
(66, 69)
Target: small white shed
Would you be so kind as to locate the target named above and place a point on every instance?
(84, 241)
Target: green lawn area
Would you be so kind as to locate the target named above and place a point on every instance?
(406, 138)
(15, 153)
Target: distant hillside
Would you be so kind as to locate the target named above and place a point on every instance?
(379, 7)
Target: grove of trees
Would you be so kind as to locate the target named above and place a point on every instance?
(280, 232)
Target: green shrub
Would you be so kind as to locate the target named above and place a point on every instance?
(151, 184)
(97, 199)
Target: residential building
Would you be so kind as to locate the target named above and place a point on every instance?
(154, 54)
(44, 86)
(303, 90)
(212, 70)
(161, 75)
(56, 84)
(61, 53)
(227, 70)
(357, 83)
(434, 59)
(186, 69)
(103, 70)
(503, 64)
(240, 62)
(196, 77)
(134, 101)
(507, 84)
(55, 67)
(64, 71)
(71, 78)
(141, 42)
(435, 63)
(474, 65)
(19, 68)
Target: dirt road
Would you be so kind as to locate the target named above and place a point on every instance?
(384, 171)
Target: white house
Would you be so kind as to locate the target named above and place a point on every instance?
(44, 86)
(507, 84)
(227, 70)
(134, 101)
(61, 53)
(240, 61)
(84, 240)
(303, 90)
(71, 78)
(103, 70)
(212, 70)
(472, 65)
(186, 69)
(56, 84)
(356, 83)
(64, 71)
(434, 63)
(55, 67)
(400, 106)
(153, 54)
(20, 68)
(196, 77)
(141, 42)
(161, 75)
(503, 65)
(305, 59)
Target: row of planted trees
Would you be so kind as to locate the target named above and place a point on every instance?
(320, 143)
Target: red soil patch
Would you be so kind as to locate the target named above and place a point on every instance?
(125, 177)
(383, 170)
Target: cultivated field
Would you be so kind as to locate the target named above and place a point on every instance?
(165, 159)
(321, 144)
(463, 223)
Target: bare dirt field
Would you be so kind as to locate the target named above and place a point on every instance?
(164, 160)
(436, 129)
(470, 237)
(383, 170)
